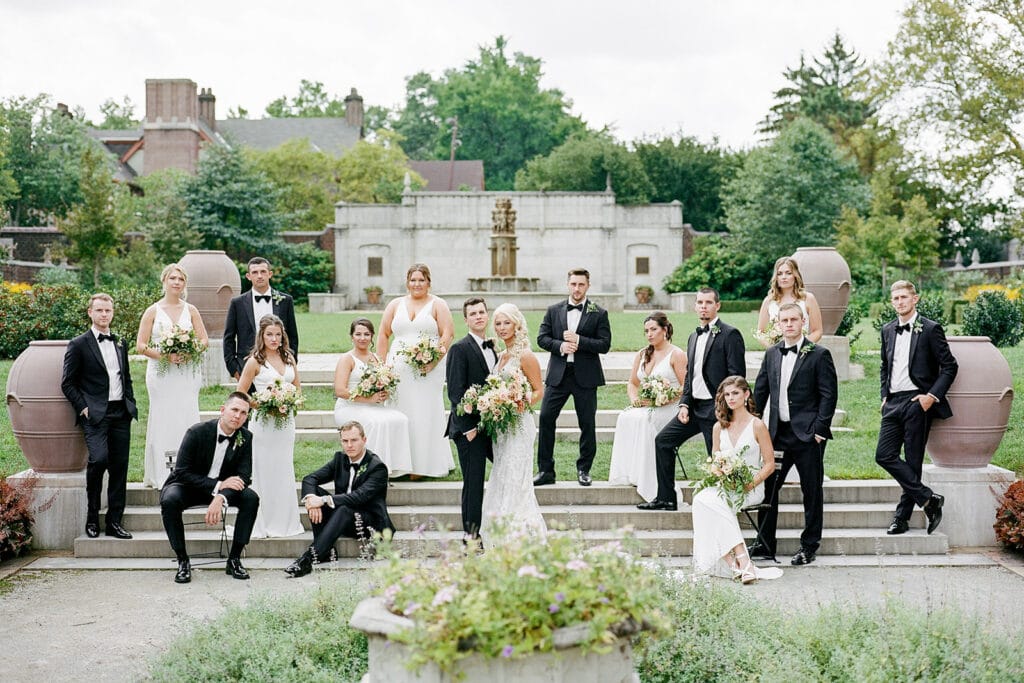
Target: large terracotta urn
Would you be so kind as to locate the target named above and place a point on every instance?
(212, 280)
(43, 421)
(980, 397)
(827, 276)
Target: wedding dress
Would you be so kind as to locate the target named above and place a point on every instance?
(635, 430)
(509, 496)
(173, 401)
(273, 466)
(716, 530)
(387, 430)
(420, 398)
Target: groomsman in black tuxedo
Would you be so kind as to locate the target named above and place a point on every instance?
(213, 468)
(98, 383)
(713, 352)
(469, 362)
(917, 371)
(356, 509)
(798, 379)
(576, 332)
(246, 310)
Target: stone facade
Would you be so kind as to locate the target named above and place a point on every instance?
(622, 246)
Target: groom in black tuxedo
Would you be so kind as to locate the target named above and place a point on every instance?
(798, 377)
(246, 310)
(713, 352)
(576, 332)
(98, 383)
(469, 362)
(213, 468)
(916, 372)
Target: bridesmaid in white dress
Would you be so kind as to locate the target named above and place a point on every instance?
(718, 545)
(273, 466)
(418, 396)
(387, 430)
(509, 497)
(633, 450)
(787, 286)
(173, 395)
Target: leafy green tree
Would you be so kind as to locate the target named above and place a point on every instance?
(162, 214)
(92, 227)
(307, 180)
(790, 193)
(584, 163)
(312, 101)
(118, 116)
(419, 122)
(719, 262)
(8, 185)
(374, 172)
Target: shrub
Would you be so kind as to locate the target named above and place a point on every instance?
(16, 518)
(718, 262)
(994, 316)
(1009, 524)
(304, 269)
(856, 310)
(932, 305)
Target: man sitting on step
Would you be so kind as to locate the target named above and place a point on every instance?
(356, 509)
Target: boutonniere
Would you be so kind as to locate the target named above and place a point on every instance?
(807, 348)
(239, 440)
(276, 296)
(591, 307)
(715, 329)
(917, 326)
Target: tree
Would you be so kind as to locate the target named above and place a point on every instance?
(162, 214)
(719, 262)
(374, 172)
(584, 163)
(118, 116)
(91, 227)
(307, 181)
(418, 122)
(8, 185)
(790, 193)
(312, 101)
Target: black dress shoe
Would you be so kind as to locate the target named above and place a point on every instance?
(898, 526)
(235, 569)
(803, 556)
(657, 505)
(760, 551)
(933, 511)
(92, 529)
(544, 478)
(584, 478)
(184, 574)
(117, 531)
(300, 567)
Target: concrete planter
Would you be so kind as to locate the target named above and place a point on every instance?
(827, 275)
(212, 281)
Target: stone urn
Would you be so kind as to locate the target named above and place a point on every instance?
(213, 280)
(43, 421)
(981, 397)
(827, 276)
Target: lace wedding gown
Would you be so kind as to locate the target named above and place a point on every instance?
(635, 430)
(273, 467)
(173, 402)
(716, 530)
(420, 398)
(509, 496)
(387, 430)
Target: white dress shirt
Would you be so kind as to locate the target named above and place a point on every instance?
(699, 388)
(219, 452)
(109, 353)
(572, 321)
(785, 374)
(899, 378)
(261, 308)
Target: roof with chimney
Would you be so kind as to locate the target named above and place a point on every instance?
(441, 176)
(328, 135)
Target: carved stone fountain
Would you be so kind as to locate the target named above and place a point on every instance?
(503, 255)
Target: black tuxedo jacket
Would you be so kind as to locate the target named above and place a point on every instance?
(724, 356)
(932, 366)
(195, 456)
(595, 339)
(85, 381)
(466, 366)
(240, 327)
(813, 390)
(369, 489)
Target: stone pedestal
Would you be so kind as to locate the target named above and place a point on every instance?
(972, 497)
(59, 508)
(683, 302)
(214, 370)
(839, 347)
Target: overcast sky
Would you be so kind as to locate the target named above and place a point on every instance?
(642, 67)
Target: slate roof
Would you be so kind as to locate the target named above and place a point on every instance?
(468, 173)
(330, 135)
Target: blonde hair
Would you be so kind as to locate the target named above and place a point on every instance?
(903, 284)
(520, 342)
(775, 292)
(101, 296)
(170, 268)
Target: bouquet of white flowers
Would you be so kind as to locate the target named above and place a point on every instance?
(183, 342)
(771, 335)
(727, 470)
(655, 391)
(278, 403)
(376, 378)
(421, 354)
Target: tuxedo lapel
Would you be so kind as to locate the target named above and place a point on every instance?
(477, 353)
(94, 347)
(800, 356)
(250, 314)
(914, 337)
(707, 348)
(563, 317)
(890, 346)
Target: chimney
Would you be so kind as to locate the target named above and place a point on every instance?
(354, 110)
(62, 109)
(208, 108)
(171, 134)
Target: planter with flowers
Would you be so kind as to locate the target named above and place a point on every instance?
(373, 294)
(526, 609)
(644, 294)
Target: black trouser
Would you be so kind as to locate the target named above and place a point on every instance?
(338, 522)
(555, 398)
(473, 457)
(809, 459)
(108, 445)
(672, 436)
(904, 425)
(175, 498)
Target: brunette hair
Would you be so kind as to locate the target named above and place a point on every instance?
(710, 290)
(240, 395)
(352, 424)
(257, 261)
(472, 301)
(418, 268)
(365, 322)
(722, 410)
(259, 351)
(579, 271)
(662, 320)
(774, 291)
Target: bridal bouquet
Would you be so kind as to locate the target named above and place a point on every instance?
(655, 391)
(376, 378)
(183, 342)
(421, 354)
(771, 335)
(500, 401)
(279, 402)
(727, 470)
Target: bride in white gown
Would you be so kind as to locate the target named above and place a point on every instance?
(509, 499)
(718, 545)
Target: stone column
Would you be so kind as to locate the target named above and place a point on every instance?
(972, 498)
(59, 507)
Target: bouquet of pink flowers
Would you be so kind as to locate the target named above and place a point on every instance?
(655, 391)
(183, 342)
(500, 402)
(727, 470)
(376, 378)
(279, 402)
(421, 354)
(771, 335)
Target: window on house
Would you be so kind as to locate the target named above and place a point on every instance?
(375, 266)
(643, 265)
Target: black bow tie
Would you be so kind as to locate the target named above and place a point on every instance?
(574, 307)
(488, 344)
(787, 349)
(355, 466)
(224, 437)
(701, 330)
(262, 297)
(900, 329)
(105, 337)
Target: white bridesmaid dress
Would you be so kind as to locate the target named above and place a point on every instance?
(273, 466)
